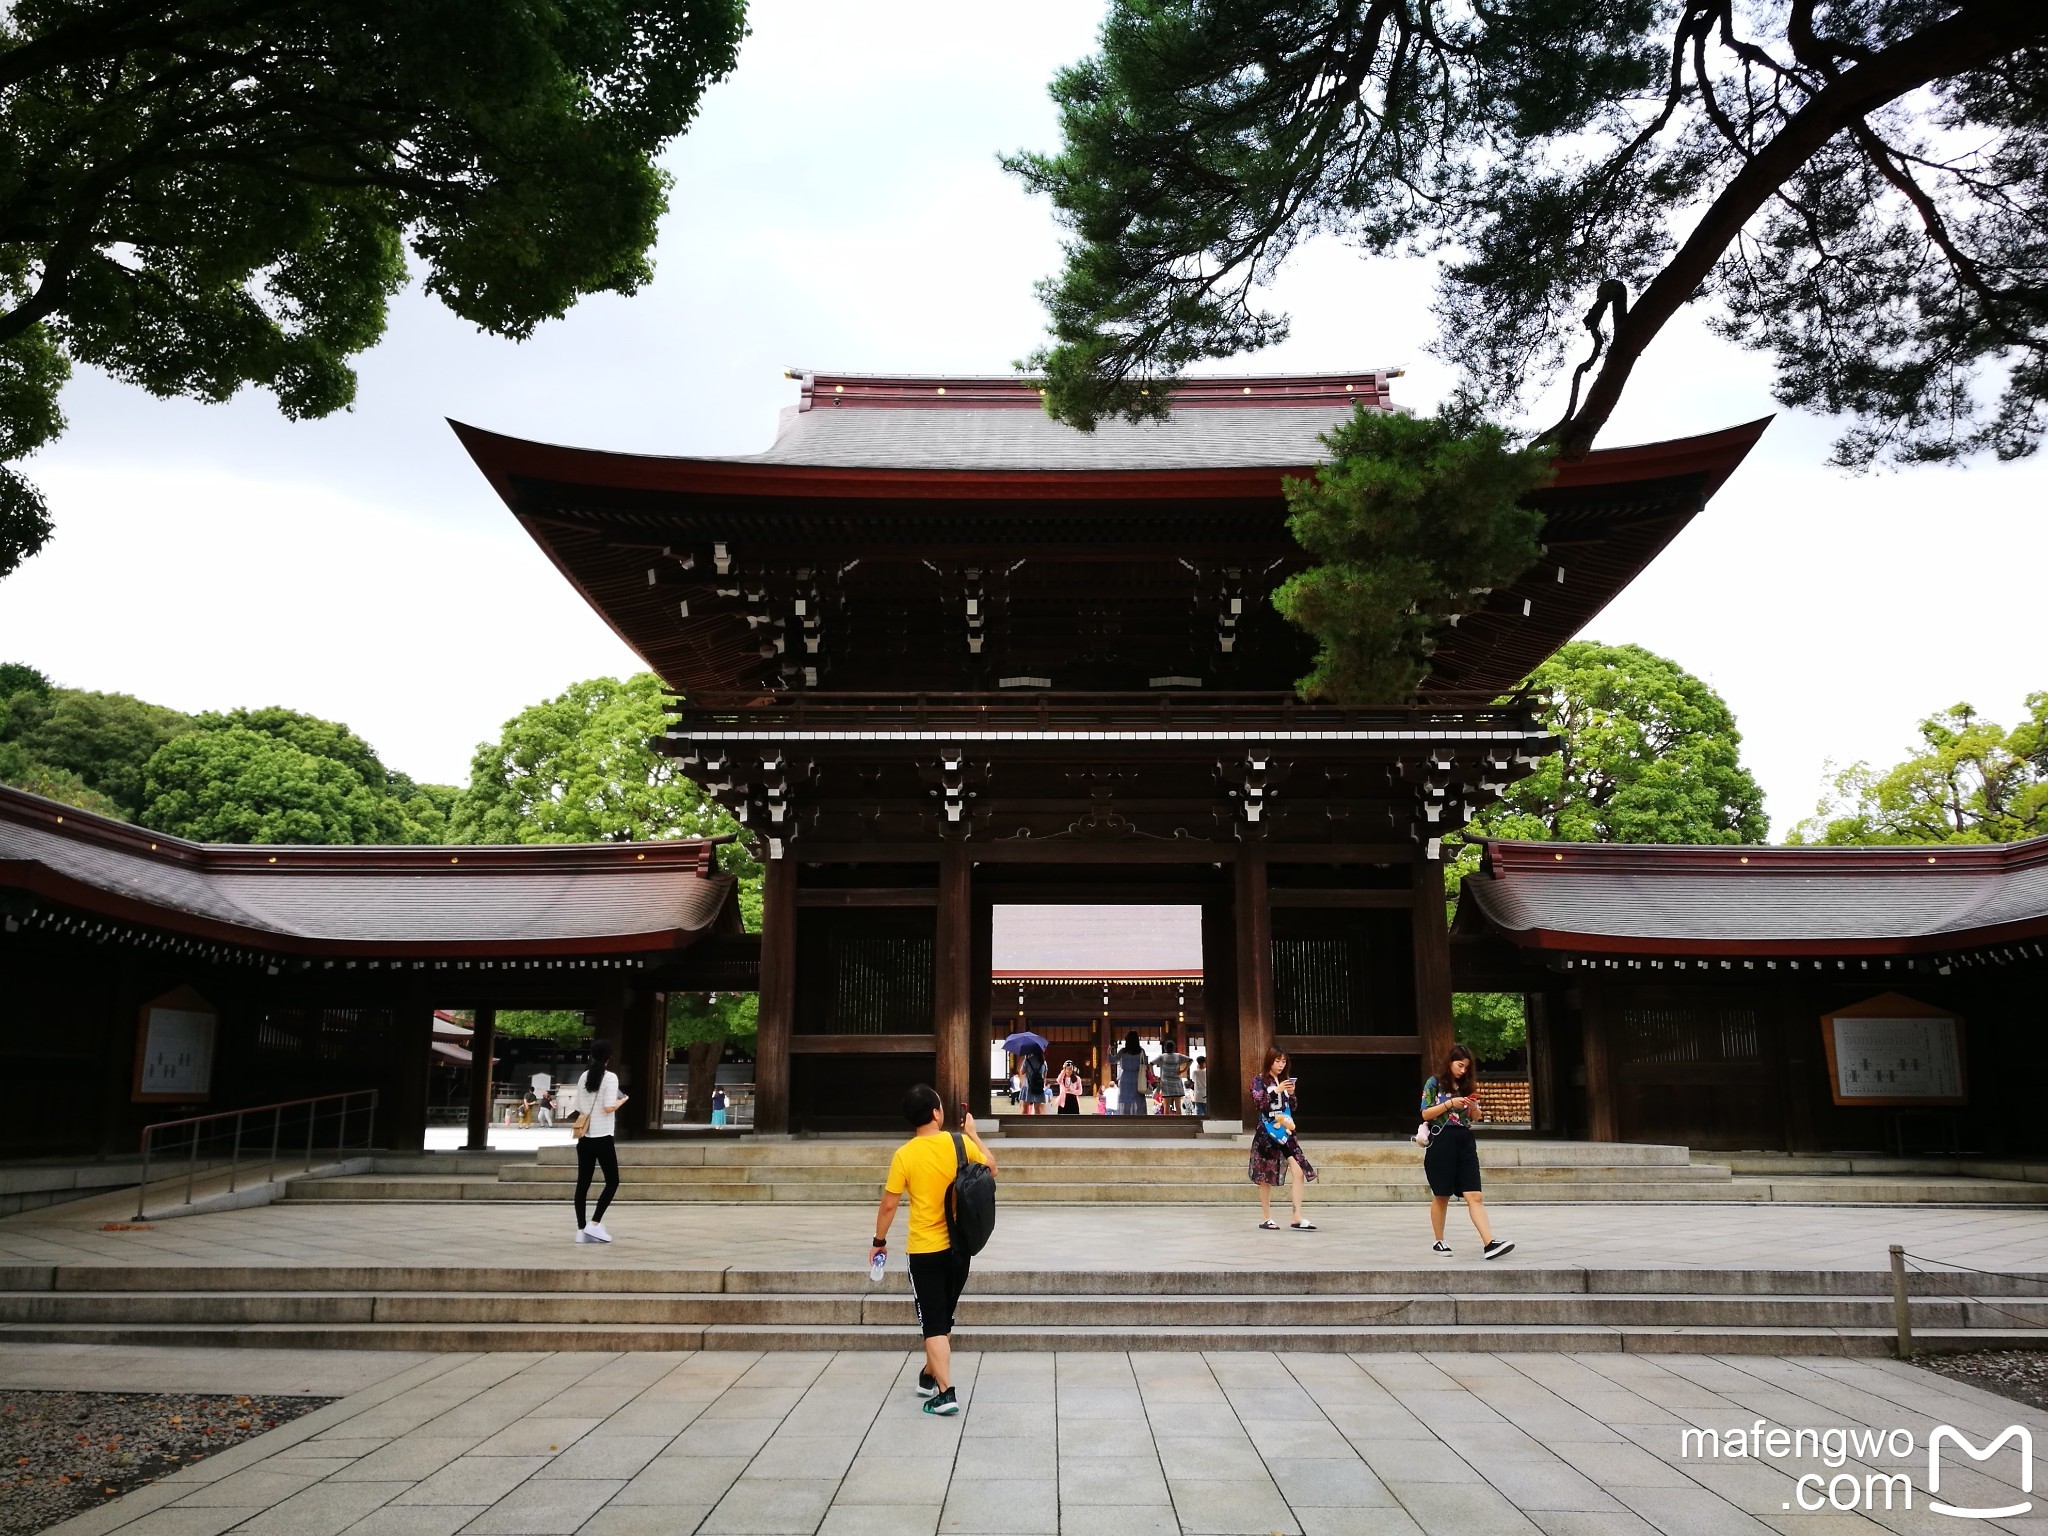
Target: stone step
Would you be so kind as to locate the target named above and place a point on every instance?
(874, 1152)
(1141, 1313)
(1223, 1174)
(1501, 1187)
(440, 1337)
(594, 1271)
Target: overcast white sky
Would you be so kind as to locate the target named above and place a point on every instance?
(839, 206)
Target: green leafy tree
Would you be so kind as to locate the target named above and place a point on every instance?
(235, 785)
(18, 677)
(414, 813)
(1647, 753)
(1973, 781)
(1494, 1024)
(59, 784)
(105, 740)
(580, 768)
(702, 1024)
(561, 1025)
(213, 193)
(278, 775)
(1413, 521)
(1856, 189)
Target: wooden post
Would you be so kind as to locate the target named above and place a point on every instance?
(981, 1006)
(1603, 1115)
(483, 1040)
(403, 1119)
(778, 997)
(1543, 1105)
(1254, 917)
(1902, 1312)
(643, 1060)
(1432, 950)
(1219, 1008)
(952, 982)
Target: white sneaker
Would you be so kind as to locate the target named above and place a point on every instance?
(596, 1233)
(585, 1237)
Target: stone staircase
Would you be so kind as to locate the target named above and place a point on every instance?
(1075, 1171)
(1465, 1307)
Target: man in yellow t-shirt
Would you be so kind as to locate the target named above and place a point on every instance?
(925, 1166)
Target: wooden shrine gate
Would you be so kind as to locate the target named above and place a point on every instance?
(938, 651)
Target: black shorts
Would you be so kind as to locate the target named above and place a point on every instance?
(936, 1281)
(1452, 1162)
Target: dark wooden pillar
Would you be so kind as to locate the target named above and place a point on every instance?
(402, 1115)
(1603, 1114)
(1254, 920)
(981, 1006)
(483, 1041)
(643, 1060)
(952, 975)
(778, 997)
(1219, 1009)
(1544, 1107)
(1432, 962)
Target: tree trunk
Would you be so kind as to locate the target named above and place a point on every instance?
(704, 1056)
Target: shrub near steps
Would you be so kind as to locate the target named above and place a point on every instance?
(599, 1307)
(848, 1171)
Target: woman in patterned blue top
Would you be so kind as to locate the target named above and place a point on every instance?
(1450, 1104)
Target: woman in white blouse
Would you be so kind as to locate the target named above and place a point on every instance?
(596, 1094)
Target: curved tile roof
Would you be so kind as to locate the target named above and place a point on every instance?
(1622, 898)
(553, 898)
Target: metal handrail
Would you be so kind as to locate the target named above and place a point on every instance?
(195, 1126)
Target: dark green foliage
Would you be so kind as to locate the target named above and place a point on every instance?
(280, 776)
(234, 785)
(1972, 781)
(18, 677)
(1494, 1024)
(581, 767)
(1648, 753)
(1858, 188)
(1413, 521)
(105, 739)
(558, 1024)
(202, 196)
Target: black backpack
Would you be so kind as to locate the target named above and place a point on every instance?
(970, 1202)
(1034, 1074)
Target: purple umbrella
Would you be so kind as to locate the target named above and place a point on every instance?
(1024, 1040)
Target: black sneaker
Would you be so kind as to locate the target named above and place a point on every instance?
(927, 1384)
(1441, 1250)
(942, 1402)
(1495, 1249)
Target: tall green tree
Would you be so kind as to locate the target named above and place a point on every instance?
(1647, 753)
(207, 194)
(1972, 781)
(1411, 521)
(581, 767)
(103, 740)
(278, 775)
(1856, 189)
(702, 1024)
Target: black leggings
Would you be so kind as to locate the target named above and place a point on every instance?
(591, 1151)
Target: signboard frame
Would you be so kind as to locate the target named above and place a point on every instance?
(1892, 1005)
(188, 1007)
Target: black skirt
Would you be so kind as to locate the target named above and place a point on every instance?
(1452, 1162)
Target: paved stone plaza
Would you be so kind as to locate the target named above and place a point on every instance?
(1695, 1236)
(1118, 1441)
(1115, 1443)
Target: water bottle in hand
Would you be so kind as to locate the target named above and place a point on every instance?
(877, 1264)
